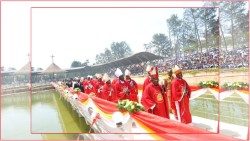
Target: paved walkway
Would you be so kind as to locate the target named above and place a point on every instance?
(233, 130)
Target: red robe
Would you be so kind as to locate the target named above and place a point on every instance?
(89, 87)
(153, 95)
(146, 82)
(107, 92)
(84, 82)
(94, 81)
(133, 90)
(99, 87)
(177, 86)
(120, 88)
(114, 81)
(113, 97)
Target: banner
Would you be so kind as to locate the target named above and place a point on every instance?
(104, 117)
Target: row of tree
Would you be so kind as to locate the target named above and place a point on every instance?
(117, 50)
(202, 28)
(222, 23)
(76, 64)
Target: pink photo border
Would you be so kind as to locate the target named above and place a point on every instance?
(248, 133)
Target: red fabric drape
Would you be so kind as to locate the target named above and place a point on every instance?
(163, 127)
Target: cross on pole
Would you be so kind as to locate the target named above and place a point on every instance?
(28, 57)
(52, 56)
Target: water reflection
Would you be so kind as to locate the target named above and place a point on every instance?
(50, 114)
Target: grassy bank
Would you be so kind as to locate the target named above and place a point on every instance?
(222, 76)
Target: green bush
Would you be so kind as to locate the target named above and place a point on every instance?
(235, 86)
(208, 84)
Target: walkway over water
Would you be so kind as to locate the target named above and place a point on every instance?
(52, 114)
(141, 121)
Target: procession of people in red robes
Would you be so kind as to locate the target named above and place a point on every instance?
(156, 98)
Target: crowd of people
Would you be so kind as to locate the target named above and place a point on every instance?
(211, 58)
(234, 58)
(158, 97)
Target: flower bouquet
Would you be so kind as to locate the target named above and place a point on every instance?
(77, 90)
(130, 106)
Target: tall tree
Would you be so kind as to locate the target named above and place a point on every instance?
(174, 24)
(191, 17)
(108, 55)
(232, 12)
(215, 31)
(219, 23)
(75, 64)
(120, 50)
(207, 19)
(195, 14)
(161, 45)
(85, 63)
(242, 28)
(100, 58)
(187, 38)
(148, 47)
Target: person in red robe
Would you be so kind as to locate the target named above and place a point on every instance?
(99, 85)
(113, 97)
(133, 86)
(121, 87)
(107, 90)
(153, 97)
(147, 79)
(89, 86)
(94, 79)
(115, 79)
(180, 94)
(84, 82)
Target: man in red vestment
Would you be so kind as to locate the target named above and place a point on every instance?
(99, 85)
(147, 79)
(133, 86)
(180, 94)
(153, 97)
(89, 86)
(113, 97)
(107, 90)
(121, 87)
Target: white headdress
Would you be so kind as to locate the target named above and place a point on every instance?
(98, 75)
(148, 68)
(105, 77)
(118, 72)
(176, 69)
(127, 72)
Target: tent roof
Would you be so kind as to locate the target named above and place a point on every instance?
(134, 59)
(25, 69)
(77, 68)
(53, 68)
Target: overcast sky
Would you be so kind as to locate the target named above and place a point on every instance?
(77, 33)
